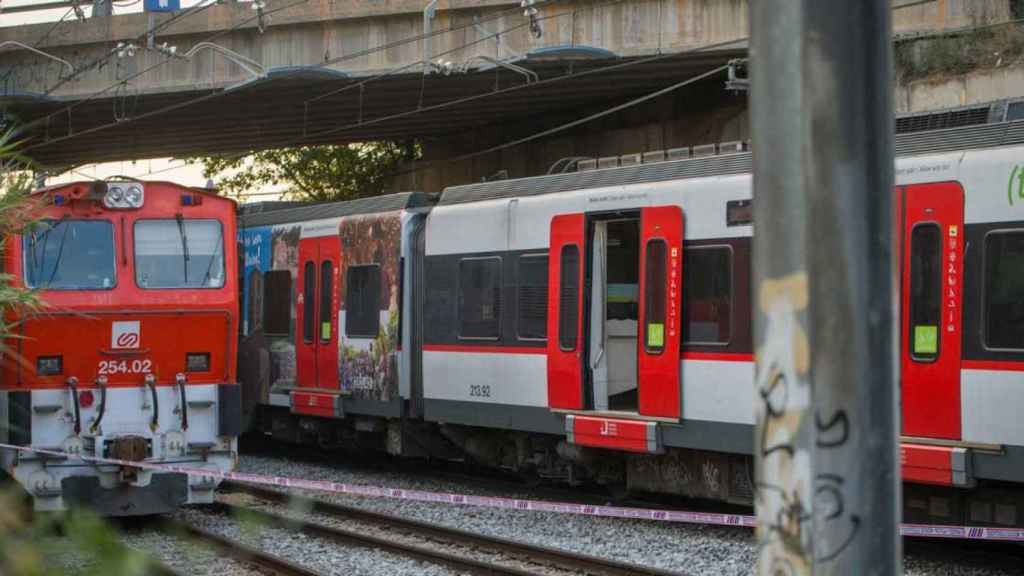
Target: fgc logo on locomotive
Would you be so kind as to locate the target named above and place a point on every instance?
(125, 335)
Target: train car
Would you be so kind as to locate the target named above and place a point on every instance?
(133, 354)
(324, 316)
(598, 325)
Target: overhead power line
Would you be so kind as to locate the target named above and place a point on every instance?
(359, 54)
(596, 116)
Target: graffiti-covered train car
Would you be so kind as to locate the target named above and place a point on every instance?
(323, 310)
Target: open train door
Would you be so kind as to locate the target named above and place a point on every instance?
(661, 287)
(931, 287)
(316, 339)
(565, 312)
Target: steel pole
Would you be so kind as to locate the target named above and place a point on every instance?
(828, 495)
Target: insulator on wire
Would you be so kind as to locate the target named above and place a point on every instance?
(125, 49)
(531, 12)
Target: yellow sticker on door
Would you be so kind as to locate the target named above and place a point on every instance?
(926, 339)
(325, 331)
(655, 335)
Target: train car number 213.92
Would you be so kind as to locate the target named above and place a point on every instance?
(125, 366)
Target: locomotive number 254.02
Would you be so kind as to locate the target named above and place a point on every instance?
(125, 366)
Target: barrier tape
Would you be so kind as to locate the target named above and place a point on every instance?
(678, 516)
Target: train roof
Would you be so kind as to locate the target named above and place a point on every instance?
(911, 144)
(271, 215)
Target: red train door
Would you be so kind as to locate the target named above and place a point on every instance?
(932, 278)
(565, 312)
(661, 286)
(316, 340)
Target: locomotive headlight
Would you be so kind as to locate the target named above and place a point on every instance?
(122, 195)
(134, 196)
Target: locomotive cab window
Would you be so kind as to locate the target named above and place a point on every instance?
(532, 316)
(362, 301)
(69, 255)
(1004, 290)
(179, 253)
(707, 295)
(925, 291)
(480, 298)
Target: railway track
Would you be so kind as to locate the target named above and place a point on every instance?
(239, 551)
(467, 552)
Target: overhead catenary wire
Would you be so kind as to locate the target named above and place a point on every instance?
(69, 108)
(569, 125)
(213, 95)
(554, 130)
(99, 61)
(426, 63)
(562, 127)
(419, 110)
(517, 87)
(326, 63)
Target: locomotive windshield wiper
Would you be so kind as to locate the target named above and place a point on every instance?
(184, 242)
(213, 257)
(60, 251)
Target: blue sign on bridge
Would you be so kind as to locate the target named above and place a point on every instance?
(162, 5)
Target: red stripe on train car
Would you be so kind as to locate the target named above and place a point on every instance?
(999, 365)
(484, 349)
(719, 356)
(927, 464)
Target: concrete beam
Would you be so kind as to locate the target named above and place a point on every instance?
(313, 32)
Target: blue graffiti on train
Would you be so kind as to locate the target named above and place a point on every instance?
(256, 255)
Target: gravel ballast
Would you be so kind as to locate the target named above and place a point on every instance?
(690, 549)
(323, 556)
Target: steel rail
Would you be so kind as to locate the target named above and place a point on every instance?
(521, 551)
(239, 551)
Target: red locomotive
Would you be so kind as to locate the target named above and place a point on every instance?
(133, 355)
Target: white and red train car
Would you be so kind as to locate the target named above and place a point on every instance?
(132, 356)
(597, 324)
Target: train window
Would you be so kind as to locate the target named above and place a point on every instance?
(707, 295)
(277, 302)
(532, 318)
(569, 297)
(326, 297)
(1004, 290)
(70, 255)
(362, 301)
(480, 298)
(655, 281)
(925, 291)
(308, 300)
(179, 253)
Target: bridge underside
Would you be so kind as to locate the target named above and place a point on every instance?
(309, 105)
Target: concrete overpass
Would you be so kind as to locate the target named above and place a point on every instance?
(335, 71)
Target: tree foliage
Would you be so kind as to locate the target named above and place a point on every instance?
(316, 173)
(16, 209)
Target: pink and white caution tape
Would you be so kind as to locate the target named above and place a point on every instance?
(680, 516)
